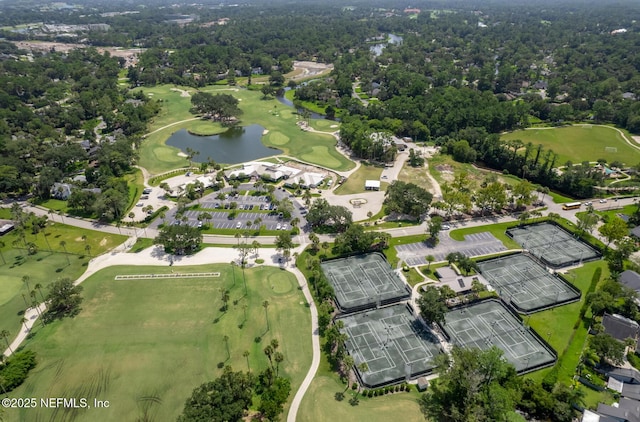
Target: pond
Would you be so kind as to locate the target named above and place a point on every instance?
(237, 145)
(393, 39)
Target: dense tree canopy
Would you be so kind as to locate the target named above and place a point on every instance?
(63, 299)
(408, 199)
(179, 238)
(473, 385)
(225, 399)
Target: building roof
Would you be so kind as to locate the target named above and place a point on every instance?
(619, 327)
(372, 184)
(631, 391)
(625, 373)
(621, 413)
(630, 279)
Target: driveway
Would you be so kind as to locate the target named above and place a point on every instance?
(476, 244)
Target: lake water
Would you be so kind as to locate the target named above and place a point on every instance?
(392, 39)
(236, 145)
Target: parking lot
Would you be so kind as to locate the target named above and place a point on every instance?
(476, 244)
(248, 209)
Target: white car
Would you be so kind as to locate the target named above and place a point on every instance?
(278, 226)
(445, 227)
(238, 225)
(285, 227)
(603, 201)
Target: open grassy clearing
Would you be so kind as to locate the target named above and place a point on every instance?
(42, 268)
(444, 168)
(557, 325)
(355, 182)
(160, 339)
(319, 403)
(580, 143)
(278, 119)
(416, 175)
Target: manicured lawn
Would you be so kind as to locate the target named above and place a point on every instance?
(580, 143)
(146, 344)
(42, 268)
(135, 182)
(355, 182)
(319, 402)
(278, 119)
(557, 324)
(141, 244)
(498, 230)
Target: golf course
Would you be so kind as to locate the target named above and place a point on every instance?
(581, 143)
(144, 345)
(278, 120)
(62, 251)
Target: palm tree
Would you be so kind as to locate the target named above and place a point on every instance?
(233, 267)
(64, 244)
(430, 259)
(87, 249)
(2, 245)
(246, 355)
(325, 246)
(238, 236)
(255, 245)
(348, 364)
(278, 357)
(265, 304)
(25, 280)
(38, 286)
(5, 334)
(84, 238)
(226, 342)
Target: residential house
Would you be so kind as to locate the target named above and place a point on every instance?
(621, 328)
(61, 191)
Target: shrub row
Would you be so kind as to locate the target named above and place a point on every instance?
(387, 390)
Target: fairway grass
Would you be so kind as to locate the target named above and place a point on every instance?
(42, 268)
(144, 345)
(580, 143)
(278, 119)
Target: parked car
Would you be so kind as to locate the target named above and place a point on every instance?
(147, 191)
(285, 227)
(238, 225)
(445, 227)
(278, 226)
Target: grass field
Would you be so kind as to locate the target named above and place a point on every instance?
(278, 119)
(42, 268)
(557, 325)
(355, 182)
(319, 403)
(580, 143)
(144, 345)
